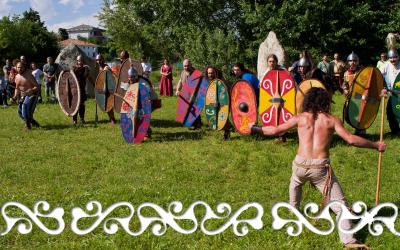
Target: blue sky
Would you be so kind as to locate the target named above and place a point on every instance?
(56, 13)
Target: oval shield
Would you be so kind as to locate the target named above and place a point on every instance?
(303, 88)
(135, 113)
(277, 98)
(217, 105)
(122, 82)
(199, 98)
(68, 93)
(394, 100)
(243, 106)
(187, 96)
(104, 90)
(362, 106)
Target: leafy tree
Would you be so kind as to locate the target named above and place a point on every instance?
(27, 36)
(63, 34)
(215, 31)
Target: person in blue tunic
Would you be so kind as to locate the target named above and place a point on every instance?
(242, 73)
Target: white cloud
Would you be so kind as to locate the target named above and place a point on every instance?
(4, 8)
(89, 20)
(76, 4)
(44, 7)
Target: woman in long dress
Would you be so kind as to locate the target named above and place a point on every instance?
(166, 88)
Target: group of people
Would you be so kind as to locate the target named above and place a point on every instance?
(315, 125)
(7, 79)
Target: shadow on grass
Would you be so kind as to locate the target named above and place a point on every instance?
(92, 122)
(178, 136)
(57, 126)
(71, 126)
(290, 137)
(157, 123)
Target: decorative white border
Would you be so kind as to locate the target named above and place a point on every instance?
(359, 212)
(24, 225)
(175, 215)
(159, 224)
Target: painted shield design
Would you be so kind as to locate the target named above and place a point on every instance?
(187, 96)
(104, 90)
(68, 93)
(122, 82)
(243, 106)
(364, 101)
(217, 105)
(277, 98)
(195, 109)
(135, 113)
(303, 88)
(394, 100)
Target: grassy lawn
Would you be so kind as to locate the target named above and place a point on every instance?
(69, 166)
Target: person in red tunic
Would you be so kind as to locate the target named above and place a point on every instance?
(166, 88)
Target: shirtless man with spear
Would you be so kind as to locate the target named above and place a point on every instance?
(315, 127)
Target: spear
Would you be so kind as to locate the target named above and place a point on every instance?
(380, 153)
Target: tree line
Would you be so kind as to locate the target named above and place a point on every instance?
(222, 32)
(26, 35)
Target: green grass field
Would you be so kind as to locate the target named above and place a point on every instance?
(69, 166)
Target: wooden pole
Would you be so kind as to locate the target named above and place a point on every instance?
(380, 153)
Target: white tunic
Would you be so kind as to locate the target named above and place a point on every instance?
(389, 72)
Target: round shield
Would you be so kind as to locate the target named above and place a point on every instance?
(104, 90)
(122, 83)
(217, 105)
(363, 104)
(277, 98)
(68, 93)
(243, 106)
(303, 88)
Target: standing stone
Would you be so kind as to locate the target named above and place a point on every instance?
(67, 59)
(391, 41)
(271, 45)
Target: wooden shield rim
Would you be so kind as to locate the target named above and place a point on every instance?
(300, 92)
(229, 99)
(255, 101)
(352, 88)
(118, 83)
(78, 90)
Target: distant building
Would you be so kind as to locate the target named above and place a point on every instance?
(86, 31)
(90, 49)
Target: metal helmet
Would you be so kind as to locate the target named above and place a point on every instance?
(303, 62)
(80, 57)
(132, 72)
(352, 57)
(393, 53)
(99, 57)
